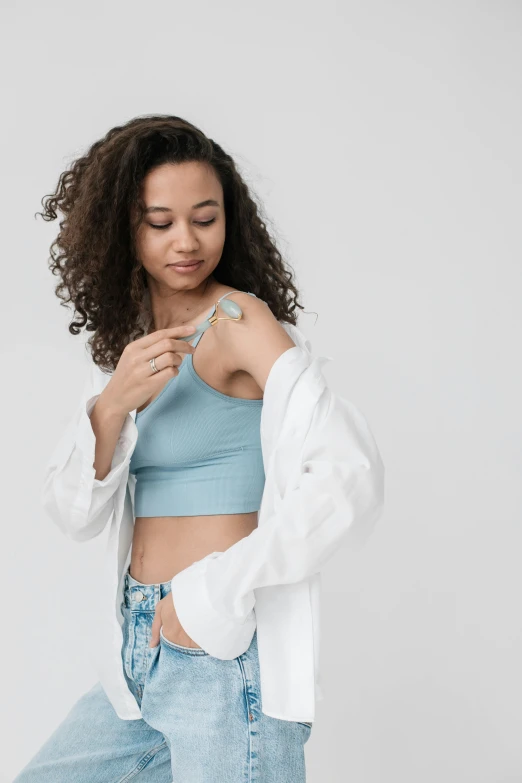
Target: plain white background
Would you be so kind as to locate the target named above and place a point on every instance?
(383, 140)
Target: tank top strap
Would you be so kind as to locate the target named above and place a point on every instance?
(235, 292)
(195, 342)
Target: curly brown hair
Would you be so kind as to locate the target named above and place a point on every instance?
(95, 254)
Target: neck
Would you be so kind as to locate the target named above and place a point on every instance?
(176, 308)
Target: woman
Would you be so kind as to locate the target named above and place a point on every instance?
(224, 469)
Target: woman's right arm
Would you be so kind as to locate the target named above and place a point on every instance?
(106, 423)
(78, 496)
(90, 463)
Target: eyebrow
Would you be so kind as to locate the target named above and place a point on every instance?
(210, 202)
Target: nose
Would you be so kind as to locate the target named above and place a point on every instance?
(184, 239)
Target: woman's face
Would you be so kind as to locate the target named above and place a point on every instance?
(177, 227)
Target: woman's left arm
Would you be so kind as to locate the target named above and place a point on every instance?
(338, 498)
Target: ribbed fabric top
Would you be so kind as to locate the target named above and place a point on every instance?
(198, 450)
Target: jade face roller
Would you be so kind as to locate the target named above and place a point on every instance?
(233, 311)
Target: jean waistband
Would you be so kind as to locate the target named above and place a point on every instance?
(143, 597)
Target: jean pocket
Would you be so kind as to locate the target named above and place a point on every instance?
(307, 729)
(179, 647)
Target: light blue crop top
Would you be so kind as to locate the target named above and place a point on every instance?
(198, 451)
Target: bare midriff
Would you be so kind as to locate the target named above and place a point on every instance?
(164, 546)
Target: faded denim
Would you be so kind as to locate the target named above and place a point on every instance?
(201, 718)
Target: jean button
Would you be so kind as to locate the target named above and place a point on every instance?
(139, 596)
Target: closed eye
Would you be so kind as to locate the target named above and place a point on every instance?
(167, 225)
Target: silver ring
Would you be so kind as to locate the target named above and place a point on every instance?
(153, 365)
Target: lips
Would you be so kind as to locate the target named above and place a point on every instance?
(187, 263)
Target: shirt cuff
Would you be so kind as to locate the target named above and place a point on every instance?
(220, 636)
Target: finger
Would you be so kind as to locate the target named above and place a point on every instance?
(162, 361)
(155, 630)
(159, 334)
(167, 345)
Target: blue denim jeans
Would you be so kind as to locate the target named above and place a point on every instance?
(201, 718)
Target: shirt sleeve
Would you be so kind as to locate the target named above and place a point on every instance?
(79, 504)
(336, 502)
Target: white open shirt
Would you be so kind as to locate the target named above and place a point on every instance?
(324, 489)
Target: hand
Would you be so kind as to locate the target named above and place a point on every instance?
(165, 615)
(133, 381)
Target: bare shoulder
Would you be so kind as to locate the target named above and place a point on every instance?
(253, 343)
